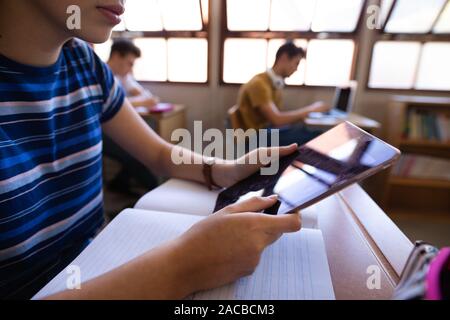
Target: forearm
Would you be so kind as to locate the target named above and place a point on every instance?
(130, 132)
(191, 166)
(290, 117)
(281, 118)
(183, 164)
(157, 275)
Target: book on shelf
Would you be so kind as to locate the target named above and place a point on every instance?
(422, 167)
(427, 125)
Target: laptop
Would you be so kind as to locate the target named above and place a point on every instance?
(343, 102)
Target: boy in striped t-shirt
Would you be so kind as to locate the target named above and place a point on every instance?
(56, 99)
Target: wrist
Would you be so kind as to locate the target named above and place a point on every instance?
(185, 267)
(224, 173)
(213, 173)
(180, 270)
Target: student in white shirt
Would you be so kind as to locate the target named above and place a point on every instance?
(124, 54)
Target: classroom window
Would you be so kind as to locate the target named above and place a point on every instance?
(412, 49)
(443, 23)
(414, 16)
(143, 16)
(248, 15)
(329, 62)
(336, 16)
(410, 65)
(255, 29)
(152, 66)
(293, 15)
(170, 15)
(386, 6)
(243, 59)
(173, 38)
(174, 60)
(434, 68)
(187, 60)
(394, 64)
(239, 52)
(182, 15)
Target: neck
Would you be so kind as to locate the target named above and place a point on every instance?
(277, 70)
(27, 36)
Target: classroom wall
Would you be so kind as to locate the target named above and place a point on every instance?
(209, 103)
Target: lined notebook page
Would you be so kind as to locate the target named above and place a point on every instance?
(131, 234)
(295, 267)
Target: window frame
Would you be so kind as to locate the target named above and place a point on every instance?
(204, 33)
(422, 38)
(307, 35)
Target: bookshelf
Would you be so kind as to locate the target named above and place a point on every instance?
(420, 181)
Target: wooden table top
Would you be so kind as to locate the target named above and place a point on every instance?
(359, 237)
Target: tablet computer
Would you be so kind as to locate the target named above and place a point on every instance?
(336, 159)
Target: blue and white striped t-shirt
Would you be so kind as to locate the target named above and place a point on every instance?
(51, 163)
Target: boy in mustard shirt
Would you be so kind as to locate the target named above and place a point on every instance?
(260, 100)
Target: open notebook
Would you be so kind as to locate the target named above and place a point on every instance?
(294, 267)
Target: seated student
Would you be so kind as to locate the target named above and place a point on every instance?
(56, 98)
(260, 100)
(121, 62)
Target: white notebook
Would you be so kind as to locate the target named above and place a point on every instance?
(294, 267)
(180, 196)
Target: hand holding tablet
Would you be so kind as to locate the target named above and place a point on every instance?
(338, 158)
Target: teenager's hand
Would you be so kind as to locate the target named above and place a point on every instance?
(228, 245)
(227, 173)
(150, 102)
(319, 106)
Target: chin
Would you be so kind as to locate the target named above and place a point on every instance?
(95, 36)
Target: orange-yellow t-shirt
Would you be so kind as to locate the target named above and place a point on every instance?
(255, 93)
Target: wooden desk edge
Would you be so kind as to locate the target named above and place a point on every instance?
(385, 239)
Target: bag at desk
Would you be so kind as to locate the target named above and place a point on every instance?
(426, 275)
